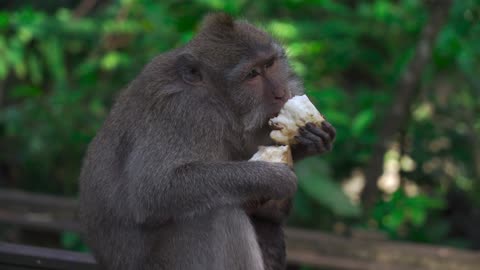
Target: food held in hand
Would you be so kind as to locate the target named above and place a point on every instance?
(296, 113)
(280, 154)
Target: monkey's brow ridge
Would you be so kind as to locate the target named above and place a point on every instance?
(248, 62)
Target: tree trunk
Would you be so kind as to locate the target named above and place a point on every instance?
(405, 92)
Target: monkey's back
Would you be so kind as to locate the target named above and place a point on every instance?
(215, 240)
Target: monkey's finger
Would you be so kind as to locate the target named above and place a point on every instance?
(303, 141)
(318, 142)
(321, 147)
(324, 136)
(306, 133)
(309, 146)
(329, 129)
(321, 139)
(326, 147)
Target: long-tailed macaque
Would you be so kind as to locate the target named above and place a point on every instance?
(166, 183)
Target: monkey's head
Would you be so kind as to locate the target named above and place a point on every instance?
(246, 66)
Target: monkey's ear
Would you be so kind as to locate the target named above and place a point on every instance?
(189, 69)
(218, 25)
(218, 20)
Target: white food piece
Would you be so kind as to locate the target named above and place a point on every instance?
(296, 113)
(280, 154)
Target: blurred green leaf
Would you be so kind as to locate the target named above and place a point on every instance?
(111, 60)
(34, 69)
(4, 20)
(362, 121)
(283, 30)
(53, 55)
(315, 181)
(298, 49)
(73, 241)
(25, 91)
(3, 69)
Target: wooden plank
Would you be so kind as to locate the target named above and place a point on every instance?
(325, 250)
(15, 267)
(10, 197)
(38, 211)
(303, 247)
(27, 257)
(38, 221)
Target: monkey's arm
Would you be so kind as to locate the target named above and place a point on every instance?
(313, 140)
(273, 210)
(195, 187)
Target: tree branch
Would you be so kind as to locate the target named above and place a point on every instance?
(83, 8)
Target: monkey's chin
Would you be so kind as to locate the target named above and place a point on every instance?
(274, 110)
(272, 115)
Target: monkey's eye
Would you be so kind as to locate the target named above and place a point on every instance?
(253, 73)
(269, 63)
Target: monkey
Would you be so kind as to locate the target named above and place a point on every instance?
(166, 182)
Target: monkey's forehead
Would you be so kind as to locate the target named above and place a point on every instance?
(221, 26)
(237, 37)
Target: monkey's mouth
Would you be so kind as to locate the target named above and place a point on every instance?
(275, 109)
(272, 115)
(272, 126)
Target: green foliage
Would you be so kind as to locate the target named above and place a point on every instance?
(316, 183)
(401, 211)
(73, 241)
(59, 74)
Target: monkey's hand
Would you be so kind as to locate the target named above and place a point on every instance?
(271, 210)
(313, 140)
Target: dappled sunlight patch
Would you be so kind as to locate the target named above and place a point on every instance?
(411, 188)
(389, 182)
(407, 164)
(423, 112)
(353, 186)
(298, 49)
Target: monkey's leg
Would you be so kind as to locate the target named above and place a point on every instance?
(271, 240)
(268, 221)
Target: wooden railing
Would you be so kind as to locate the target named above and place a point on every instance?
(22, 257)
(55, 214)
